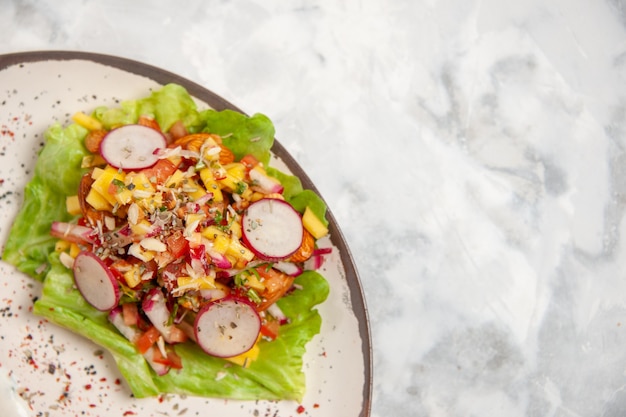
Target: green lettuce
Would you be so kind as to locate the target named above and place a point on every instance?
(241, 134)
(276, 374)
(57, 175)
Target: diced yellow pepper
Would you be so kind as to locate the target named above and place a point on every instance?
(141, 228)
(256, 196)
(237, 250)
(73, 205)
(132, 277)
(184, 280)
(313, 225)
(61, 245)
(198, 193)
(97, 201)
(86, 121)
(123, 196)
(175, 179)
(194, 238)
(235, 229)
(191, 218)
(201, 283)
(230, 182)
(140, 182)
(245, 359)
(213, 232)
(237, 170)
(152, 203)
(252, 281)
(90, 161)
(74, 250)
(102, 184)
(96, 173)
(211, 186)
(247, 194)
(221, 243)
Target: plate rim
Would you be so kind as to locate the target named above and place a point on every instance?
(162, 76)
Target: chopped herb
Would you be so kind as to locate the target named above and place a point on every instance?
(253, 296)
(241, 187)
(119, 185)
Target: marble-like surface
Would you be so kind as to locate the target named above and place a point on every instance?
(472, 151)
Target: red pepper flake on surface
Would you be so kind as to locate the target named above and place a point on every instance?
(65, 394)
(300, 409)
(6, 132)
(129, 413)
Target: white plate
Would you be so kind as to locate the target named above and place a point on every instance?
(47, 370)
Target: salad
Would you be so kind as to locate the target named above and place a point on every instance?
(161, 233)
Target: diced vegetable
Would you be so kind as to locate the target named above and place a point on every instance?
(86, 121)
(313, 225)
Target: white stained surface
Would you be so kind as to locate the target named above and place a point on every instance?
(473, 153)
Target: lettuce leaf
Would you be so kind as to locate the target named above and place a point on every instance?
(57, 174)
(241, 134)
(276, 374)
(167, 105)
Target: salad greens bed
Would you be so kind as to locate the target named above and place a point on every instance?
(277, 373)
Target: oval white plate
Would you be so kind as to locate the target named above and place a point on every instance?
(47, 370)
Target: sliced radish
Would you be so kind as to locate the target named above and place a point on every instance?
(132, 147)
(272, 229)
(288, 268)
(72, 232)
(155, 307)
(278, 314)
(95, 281)
(264, 182)
(227, 327)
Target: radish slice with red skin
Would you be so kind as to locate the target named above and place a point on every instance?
(272, 229)
(95, 281)
(288, 268)
(227, 327)
(132, 147)
(72, 232)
